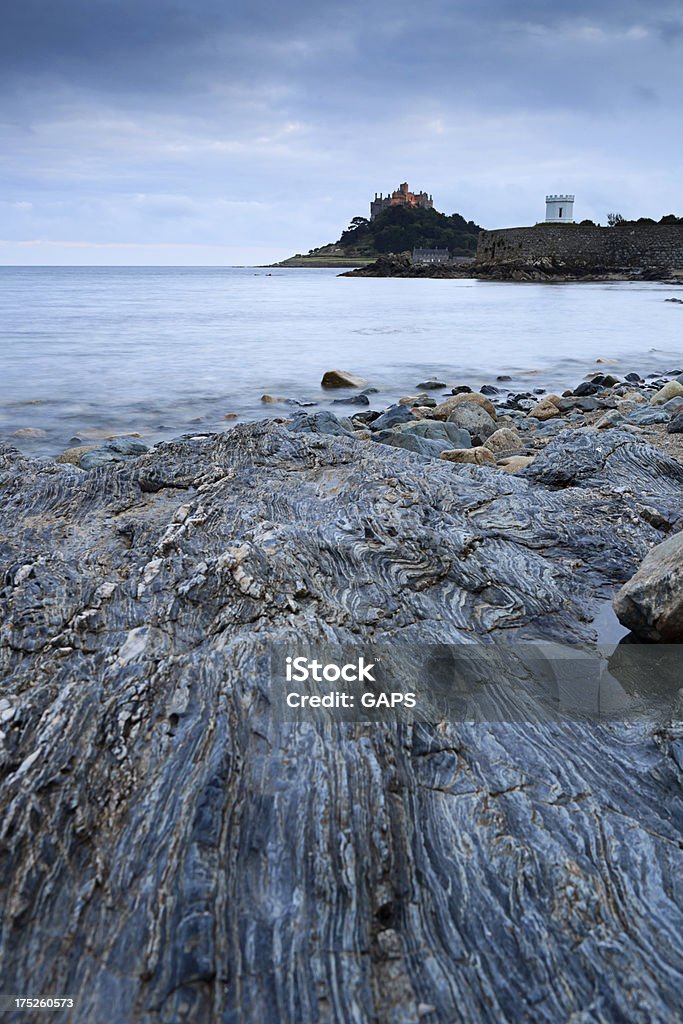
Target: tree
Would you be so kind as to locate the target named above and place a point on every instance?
(615, 218)
(357, 222)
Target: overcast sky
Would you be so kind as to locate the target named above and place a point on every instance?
(215, 132)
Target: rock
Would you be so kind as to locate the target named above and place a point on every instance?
(425, 403)
(634, 378)
(30, 433)
(503, 376)
(479, 456)
(546, 409)
(173, 851)
(489, 389)
(231, 416)
(674, 389)
(587, 388)
(118, 449)
(443, 411)
(341, 379)
(411, 442)
(434, 430)
(647, 416)
(392, 416)
(74, 455)
(651, 603)
(352, 400)
(609, 419)
(474, 419)
(515, 463)
(673, 405)
(431, 385)
(411, 399)
(323, 422)
(505, 439)
(366, 417)
(675, 425)
(461, 389)
(273, 399)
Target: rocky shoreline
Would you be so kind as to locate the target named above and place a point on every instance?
(171, 852)
(546, 269)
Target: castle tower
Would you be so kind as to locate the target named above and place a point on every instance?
(559, 209)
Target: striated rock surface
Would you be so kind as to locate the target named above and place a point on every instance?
(170, 852)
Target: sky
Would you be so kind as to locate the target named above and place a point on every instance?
(211, 132)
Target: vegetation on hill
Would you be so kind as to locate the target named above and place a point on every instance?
(402, 228)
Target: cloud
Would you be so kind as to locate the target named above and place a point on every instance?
(253, 123)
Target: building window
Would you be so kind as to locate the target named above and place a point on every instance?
(560, 211)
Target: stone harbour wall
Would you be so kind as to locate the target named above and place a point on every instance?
(641, 247)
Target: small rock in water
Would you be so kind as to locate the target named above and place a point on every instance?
(30, 433)
(478, 456)
(503, 376)
(273, 399)
(431, 385)
(587, 388)
(489, 389)
(410, 399)
(352, 400)
(634, 378)
(231, 416)
(341, 379)
(461, 389)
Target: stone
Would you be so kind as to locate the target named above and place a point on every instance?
(489, 389)
(323, 422)
(231, 416)
(634, 378)
(352, 400)
(411, 442)
(478, 456)
(505, 439)
(474, 419)
(431, 385)
(443, 411)
(435, 430)
(30, 433)
(74, 455)
(118, 449)
(425, 403)
(650, 604)
(545, 409)
(515, 463)
(674, 389)
(411, 399)
(273, 399)
(646, 417)
(675, 425)
(341, 379)
(587, 388)
(608, 419)
(391, 417)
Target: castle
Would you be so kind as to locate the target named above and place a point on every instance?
(401, 197)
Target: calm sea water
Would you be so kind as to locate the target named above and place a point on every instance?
(88, 352)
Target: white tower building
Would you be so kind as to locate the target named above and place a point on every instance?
(559, 209)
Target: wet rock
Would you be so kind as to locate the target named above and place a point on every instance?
(587, 388)
(352, 400)
(674, 389)
(323, 422)
(474, 419)
(118, 449)
(635, 378)
(431, 385)
(489, 389)
(392, 416)
(273, 399)
(425, 403)
(341, 379)
(651, 603)
(30, 433)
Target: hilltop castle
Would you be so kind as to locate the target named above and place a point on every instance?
(401, 197)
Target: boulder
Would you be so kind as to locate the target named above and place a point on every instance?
(674, 389)
(411, 399)
(392, 416)
(434, 430)
(515, 463)
(431, 385)
(479, 456)
(647, 416)
(443, 411)
(505, 439)
(651, 603)
(546, 408)
(474, 419)
(73, 456)
(323, 422)
(675, 425)
(411, 442)
(341, 379)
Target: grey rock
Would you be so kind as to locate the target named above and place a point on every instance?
(173, 853)
(646, 416)
(117, 449)
(437, 430)
(391, 417)
(431, 385)
(651, 603)
(474, 419)
(361, 399)
(675, 426)
(323, 422)
(411, 442)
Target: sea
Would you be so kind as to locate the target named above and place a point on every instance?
(88, 352)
